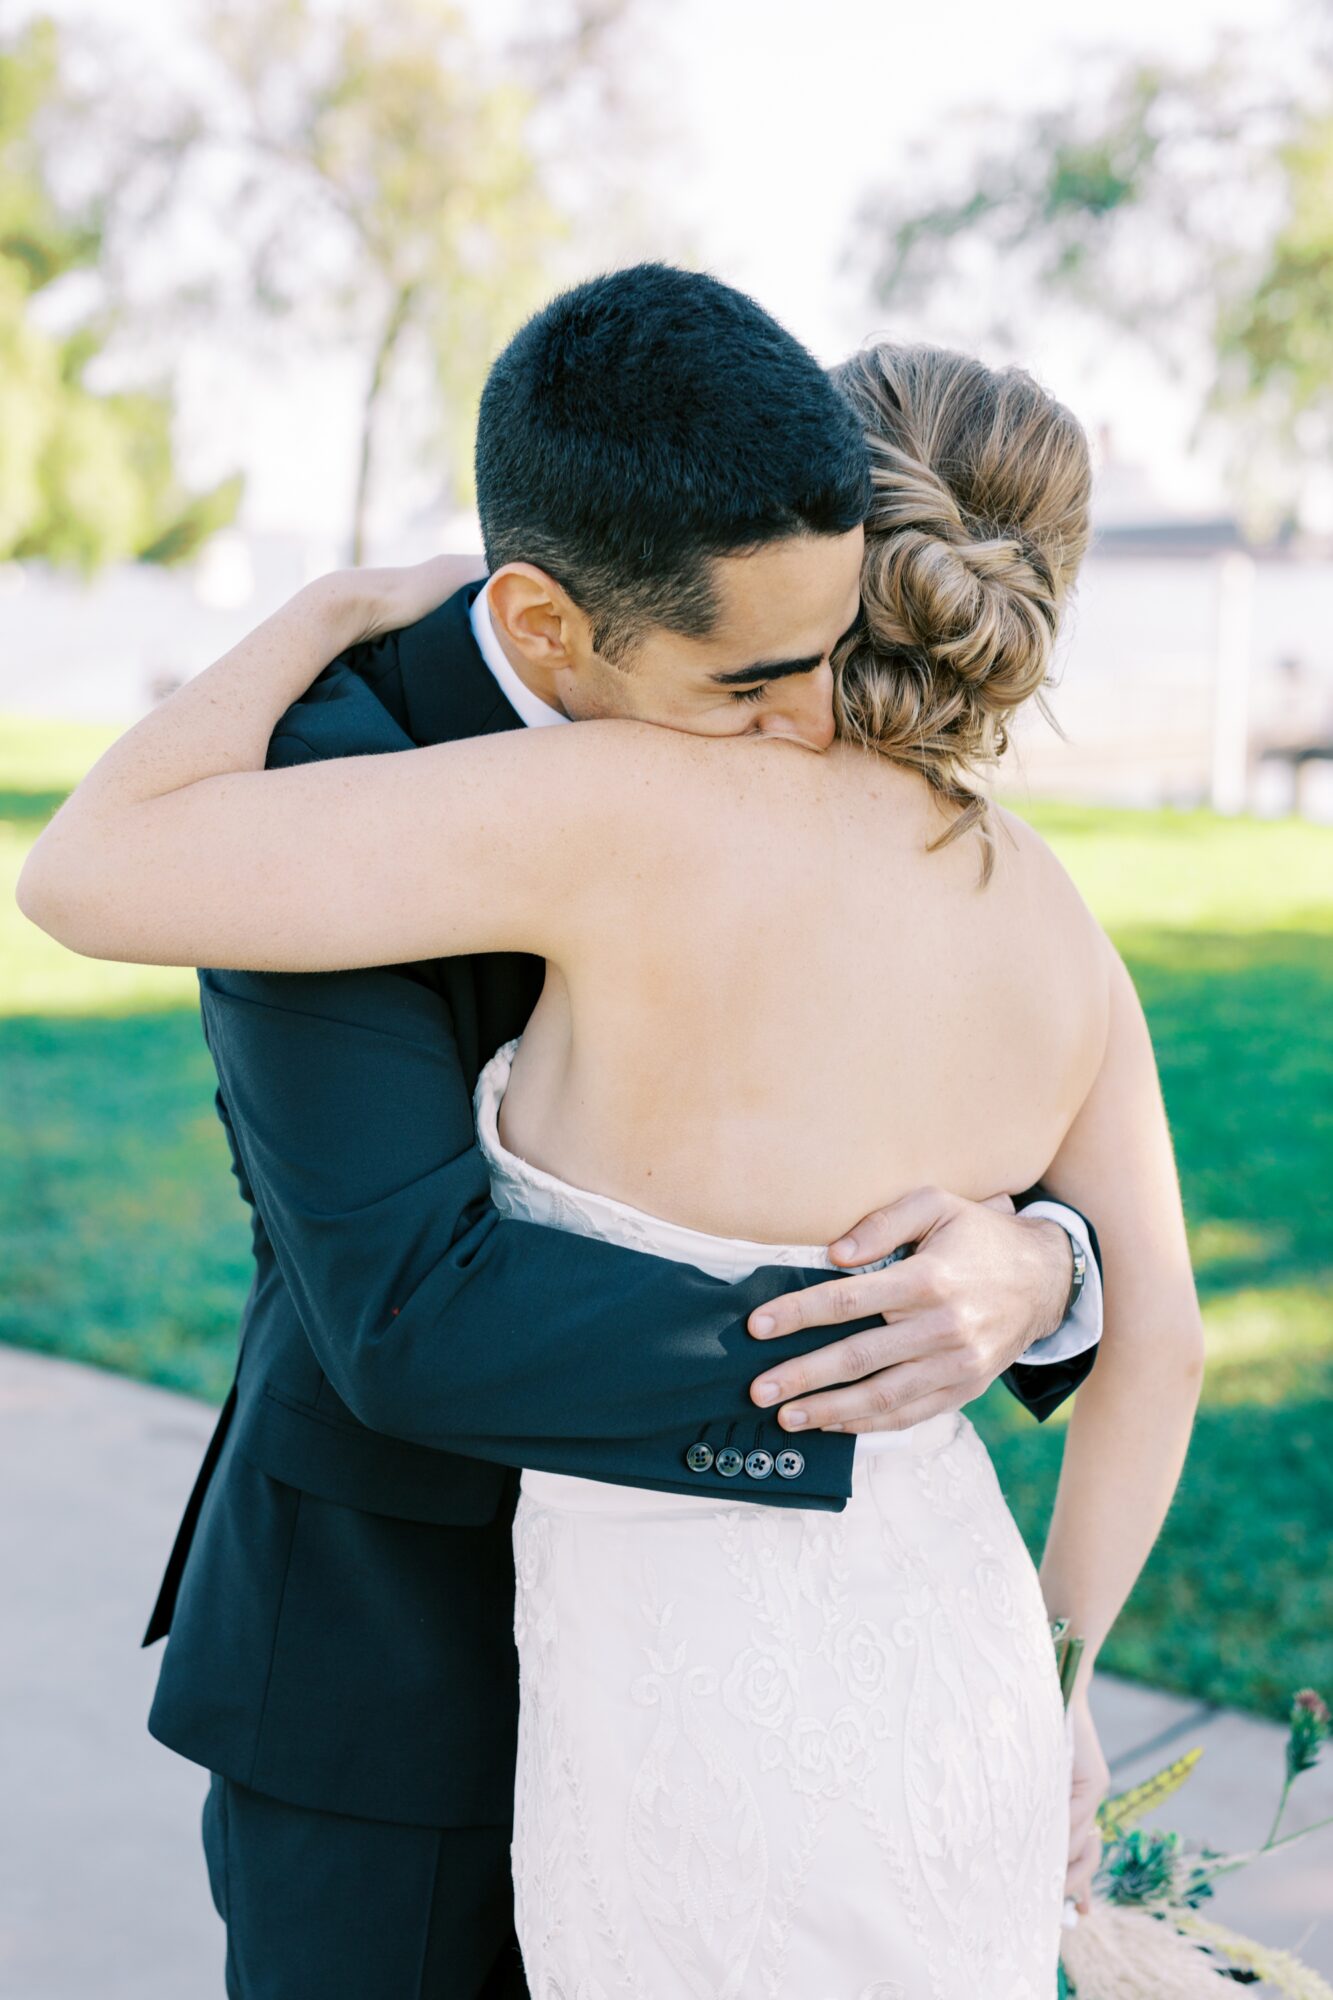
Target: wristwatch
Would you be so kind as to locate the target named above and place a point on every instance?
(1080, 1277)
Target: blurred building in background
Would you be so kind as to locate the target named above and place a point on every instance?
(105, 650)
(1197, 669)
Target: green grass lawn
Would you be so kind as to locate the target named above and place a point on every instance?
(1227, 927)
(123, 1242)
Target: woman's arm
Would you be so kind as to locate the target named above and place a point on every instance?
(1131, 1419)
(179, 848)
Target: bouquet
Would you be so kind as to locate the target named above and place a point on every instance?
(1148, 1935)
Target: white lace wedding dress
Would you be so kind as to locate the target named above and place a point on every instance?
(779, 1754)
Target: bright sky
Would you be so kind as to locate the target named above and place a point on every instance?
(790, 125)
(779, 116)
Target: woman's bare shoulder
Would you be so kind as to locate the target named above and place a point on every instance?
(1035, 856)
(1028, 864)
(626, 758)
(609, 787)
(1022, 851)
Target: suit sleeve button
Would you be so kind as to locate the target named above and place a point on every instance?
(759, 1464)
(699, 1456)
(789, 1464)
(729, 1461)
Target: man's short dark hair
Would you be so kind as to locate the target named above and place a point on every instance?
(646, 422)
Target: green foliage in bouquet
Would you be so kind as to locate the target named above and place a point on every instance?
(1146, 1868)
(1145, 1938)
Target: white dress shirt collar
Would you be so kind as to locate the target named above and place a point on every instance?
(532, 711)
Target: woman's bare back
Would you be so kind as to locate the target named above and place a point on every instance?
(779, 1008)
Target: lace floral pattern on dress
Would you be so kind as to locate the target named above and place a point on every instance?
(765, 1753)
(777, 1754)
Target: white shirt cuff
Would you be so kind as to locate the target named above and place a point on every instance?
(1082, 1328)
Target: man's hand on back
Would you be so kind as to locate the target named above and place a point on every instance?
(982, 1285)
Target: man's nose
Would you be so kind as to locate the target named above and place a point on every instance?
(805, 711)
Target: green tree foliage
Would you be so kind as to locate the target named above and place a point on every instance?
(1275, 338)
(86, 475)
(390, 196)
(1190, 208)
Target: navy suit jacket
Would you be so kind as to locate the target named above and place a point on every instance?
(340, 1593)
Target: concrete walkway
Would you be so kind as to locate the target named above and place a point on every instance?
(102, 1887)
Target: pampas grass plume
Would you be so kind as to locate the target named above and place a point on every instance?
(1118, 1953)
(1277, 1969)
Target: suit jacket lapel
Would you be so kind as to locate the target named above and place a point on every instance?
(447, 689)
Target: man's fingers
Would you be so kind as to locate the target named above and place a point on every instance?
(887, 1400)
(849, 1360)
(912, 1414)
(885, 1230)
(895, 1290)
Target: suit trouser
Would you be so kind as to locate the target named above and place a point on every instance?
(322, 1907)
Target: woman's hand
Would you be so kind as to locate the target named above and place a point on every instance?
(1088, 1786)
(385, 600)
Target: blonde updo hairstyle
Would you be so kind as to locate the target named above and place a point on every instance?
(977, 526)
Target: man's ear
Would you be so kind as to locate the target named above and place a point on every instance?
(538, 619)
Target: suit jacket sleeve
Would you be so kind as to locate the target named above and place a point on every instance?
(1042, 1387)
(436, 1319)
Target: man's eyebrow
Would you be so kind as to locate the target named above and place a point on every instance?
(767, 670)
(776, 670)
